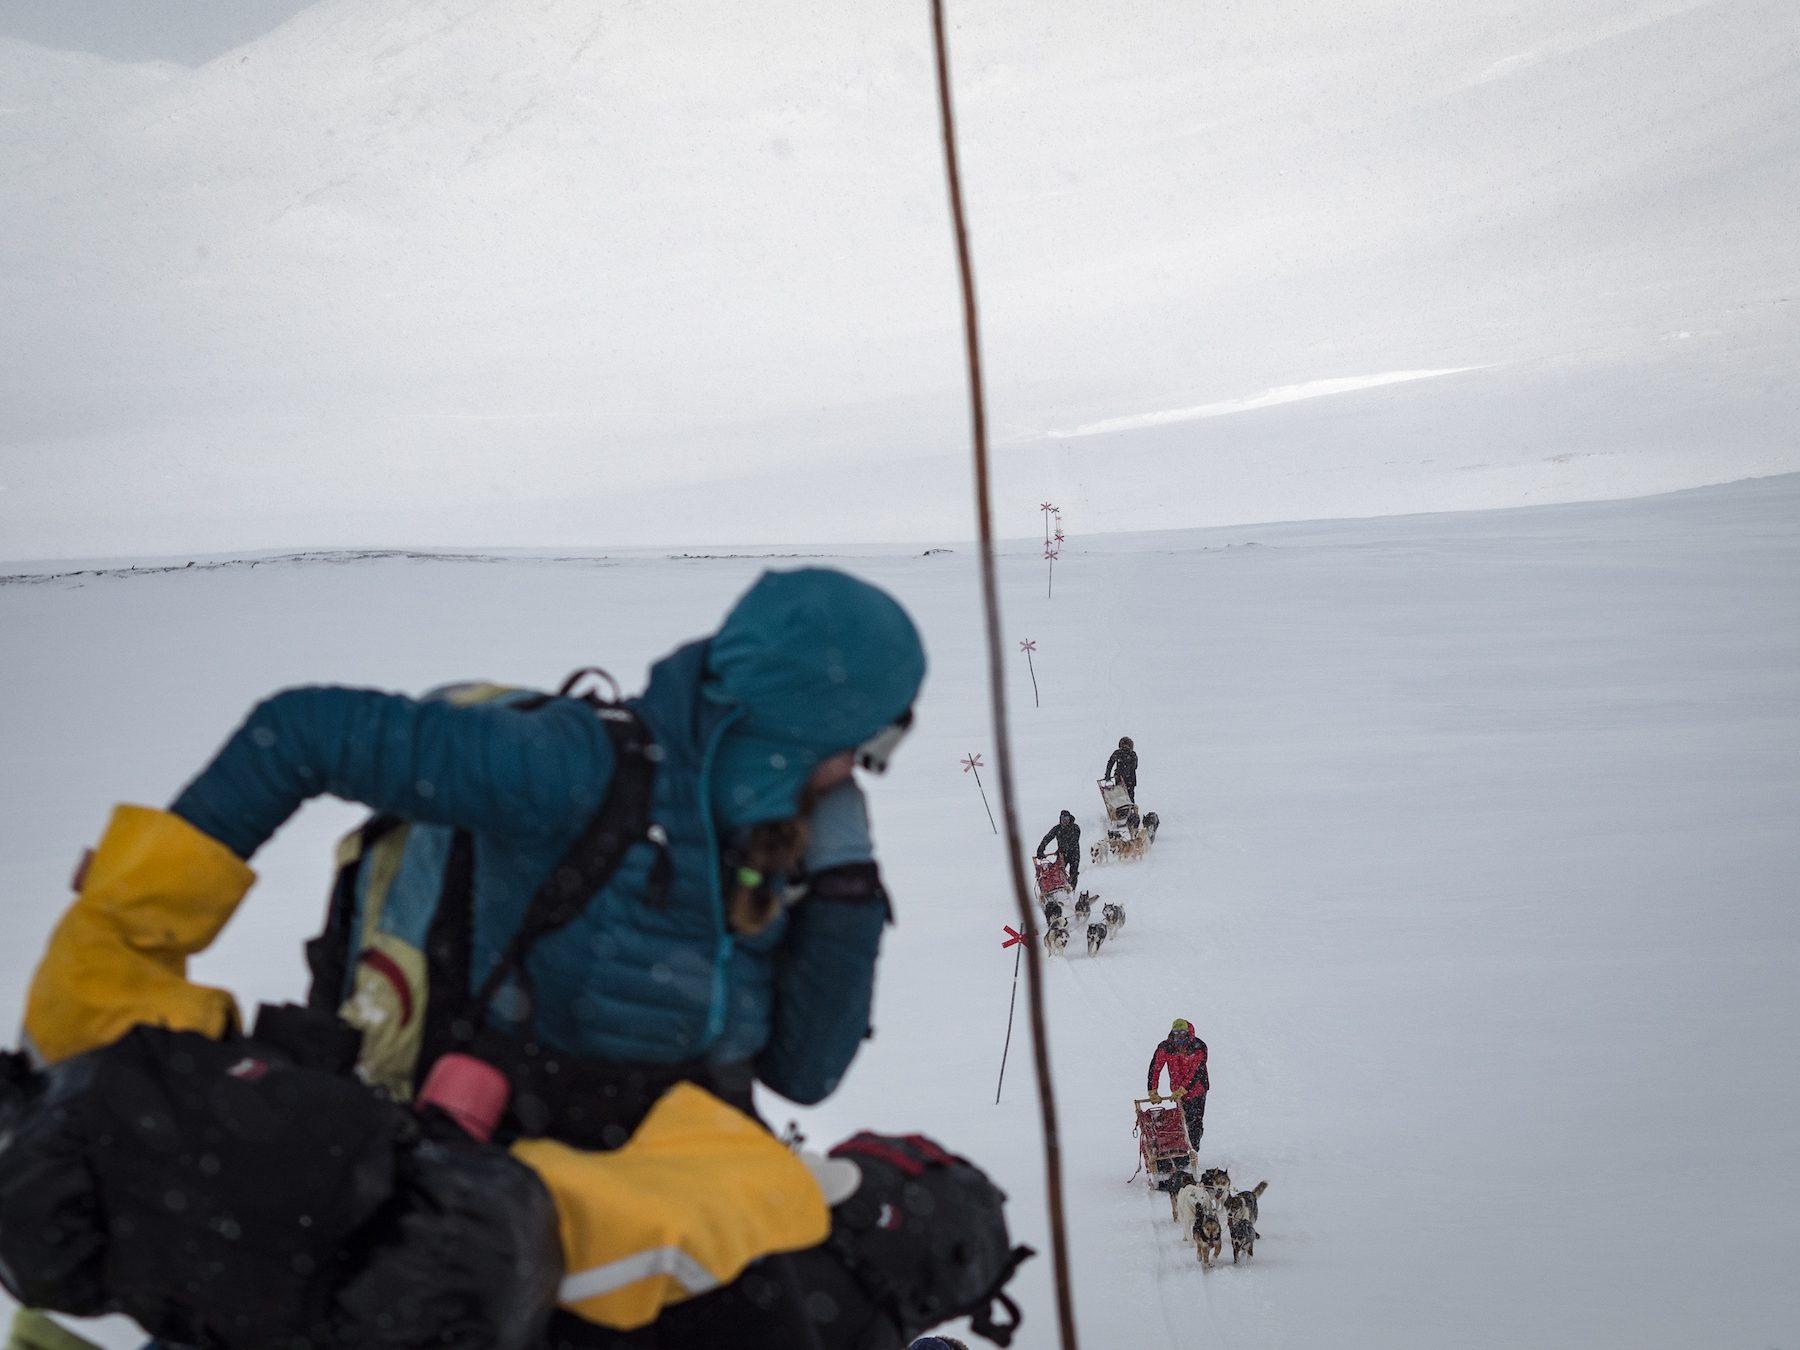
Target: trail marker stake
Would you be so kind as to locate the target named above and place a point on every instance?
(1028, 648)
(1014, 938)
(972, 764)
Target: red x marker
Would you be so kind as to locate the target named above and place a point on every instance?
(1013, 938)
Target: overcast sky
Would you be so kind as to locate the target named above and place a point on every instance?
(188, 31)
(450, 272)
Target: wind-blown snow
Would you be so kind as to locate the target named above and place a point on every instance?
(1269, 398)
(1477, 874)
(428, 272)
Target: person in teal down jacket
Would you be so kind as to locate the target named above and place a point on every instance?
(746, 962)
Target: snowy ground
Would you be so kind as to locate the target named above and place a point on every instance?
(1477, 874)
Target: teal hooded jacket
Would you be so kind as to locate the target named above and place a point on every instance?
(808, 663)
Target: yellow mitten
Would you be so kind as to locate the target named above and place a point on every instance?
(698, 1193)
(32, 1330)
(155, 891)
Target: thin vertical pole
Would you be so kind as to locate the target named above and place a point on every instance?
(1017, 957)
(990, 592)
(984, 801)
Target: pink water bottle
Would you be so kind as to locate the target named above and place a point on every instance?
(470, 1091)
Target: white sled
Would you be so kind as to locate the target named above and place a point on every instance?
(1128, 833)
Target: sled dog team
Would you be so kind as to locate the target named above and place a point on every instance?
(1207, 1209)
(1058, 858)
(1056, 923)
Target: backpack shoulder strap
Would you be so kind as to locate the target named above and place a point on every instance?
(329, 954)
(623, 819)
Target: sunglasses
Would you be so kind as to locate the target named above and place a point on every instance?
(874, 753)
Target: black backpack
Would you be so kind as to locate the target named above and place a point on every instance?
(925, 1236)
(226, 1197)
(583, 1100)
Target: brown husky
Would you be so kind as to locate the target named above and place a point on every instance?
(1207, 1239)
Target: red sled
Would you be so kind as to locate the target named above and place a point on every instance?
(1163, 1142)
(1052, 877)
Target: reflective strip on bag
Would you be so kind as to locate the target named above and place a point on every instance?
(697, 1193)
(615, 1275)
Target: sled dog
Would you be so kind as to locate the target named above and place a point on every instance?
(1056, 937)
(1179, 1180)
(1084, 905)
(1240, 1213)
(1249, 1197)
(1114, 914)
(1187, 1197)
(1096, 935)
(1181, 1205)
(1207, 1238)
(1198, 1217)
(1216, 1182)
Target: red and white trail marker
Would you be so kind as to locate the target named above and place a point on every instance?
(1016, 940)
(1053, 542)
(1028, 647)
(972, 764)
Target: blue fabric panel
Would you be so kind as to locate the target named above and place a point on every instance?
(412, 898)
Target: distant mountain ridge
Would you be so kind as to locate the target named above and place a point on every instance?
(544, 269)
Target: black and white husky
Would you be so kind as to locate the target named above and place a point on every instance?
(1216, 1182)
(1240, 1218)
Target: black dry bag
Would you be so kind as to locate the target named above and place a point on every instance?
(925, 1236)
(228, 1198)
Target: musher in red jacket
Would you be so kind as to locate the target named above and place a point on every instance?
(1183, 1054)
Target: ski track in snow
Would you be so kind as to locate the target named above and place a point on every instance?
(1477, 835)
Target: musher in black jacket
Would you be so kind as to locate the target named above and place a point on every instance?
(1122, 767)
(1067, 835)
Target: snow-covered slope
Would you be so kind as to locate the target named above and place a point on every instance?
(424, 273)
(1477, 875)
(50, 98)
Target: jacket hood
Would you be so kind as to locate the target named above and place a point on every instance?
(814, 662)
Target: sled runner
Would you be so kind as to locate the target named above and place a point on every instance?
(1163, 1141)
(1128, 833)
